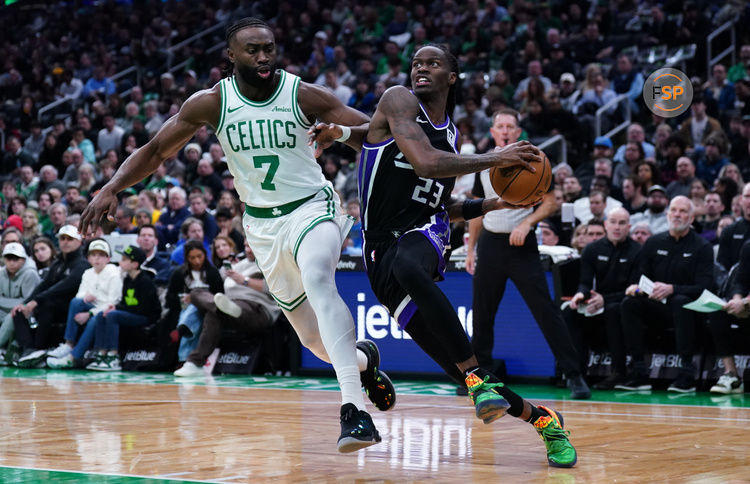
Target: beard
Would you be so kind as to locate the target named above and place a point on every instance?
(657, 208)
(251, 77)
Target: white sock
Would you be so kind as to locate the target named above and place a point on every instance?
(361, 360)
(317, 257)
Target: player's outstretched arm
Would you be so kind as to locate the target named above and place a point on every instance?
(331, 115)
(401, 108)
(459, 210)
(201, 108)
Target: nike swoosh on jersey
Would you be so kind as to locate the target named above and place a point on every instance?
(231, 110)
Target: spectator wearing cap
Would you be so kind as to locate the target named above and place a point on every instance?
(697, 128)
(33, 319)
(227, 181)
(223, 217)
(626, 80)
(550, 232)
(685, 177)
(100, 287)
(171, 219)
(712, 159)
(569, 93)
(655, 214)
(138, 306)
(636, 134)
(680, 264)
(17, 281)
(602, 147)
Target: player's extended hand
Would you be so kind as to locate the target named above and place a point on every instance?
(520, 153)
(104, 203)
(322, 135)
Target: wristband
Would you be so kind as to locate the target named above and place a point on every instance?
(472, 209)
(246, 281)
(346, 132)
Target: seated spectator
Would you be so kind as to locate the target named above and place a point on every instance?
(685, 177)
(199, 210)
(33, 319)
(636, 134)
(534, 71)
(15, 157)
(246, 305)
(696, 129)
(698, 190)
(550, 235)
(718, 88)
(124, 220)
(640, 232)
(727, 190)
(194, 276)
(100, 288)
(647, 173)
(223, 218)
(155, 262)
(31, 226)
(171, 220)
(147, 200)
(191, 229)
(578, 240)
(731, 170)
(138, 306)
(593, 99)
(608, 266)
(571, 189)
(633, 155)
(733, 237)
(709, 222)
(680, 264)
(655, 214)
(58, 213)
(208, 179)
(48, 179)
(712, 159)
(594, 230)
(224, 251)
(736, 311)
(17, 281)
(633, 194)
(582, 207)
(29, 183)
(44, 253)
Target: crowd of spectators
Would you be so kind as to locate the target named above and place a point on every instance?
(555, 62)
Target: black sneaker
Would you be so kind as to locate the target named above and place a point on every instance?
(357, 429)
(684, 383)
(635, 383)
(610, 382)
(32, 358)
(578, 388)
(376, 383)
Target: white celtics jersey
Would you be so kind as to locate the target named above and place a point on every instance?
(266, 147)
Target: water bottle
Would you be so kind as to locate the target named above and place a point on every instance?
(33, 323)
(538, 235)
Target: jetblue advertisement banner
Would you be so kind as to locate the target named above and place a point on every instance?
(518, 339)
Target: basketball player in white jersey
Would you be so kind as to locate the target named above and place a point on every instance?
(293, 220)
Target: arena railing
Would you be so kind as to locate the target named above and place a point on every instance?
(711, 61)
(602, 110)
(557, 139)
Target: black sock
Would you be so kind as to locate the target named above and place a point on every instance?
(536, 412)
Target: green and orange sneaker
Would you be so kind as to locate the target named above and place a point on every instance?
(488, 404)
(560, 452)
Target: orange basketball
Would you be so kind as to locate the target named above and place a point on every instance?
(519, 186)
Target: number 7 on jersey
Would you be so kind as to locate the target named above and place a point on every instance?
(273, 161)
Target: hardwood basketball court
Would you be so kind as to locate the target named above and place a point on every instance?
(79, 426)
